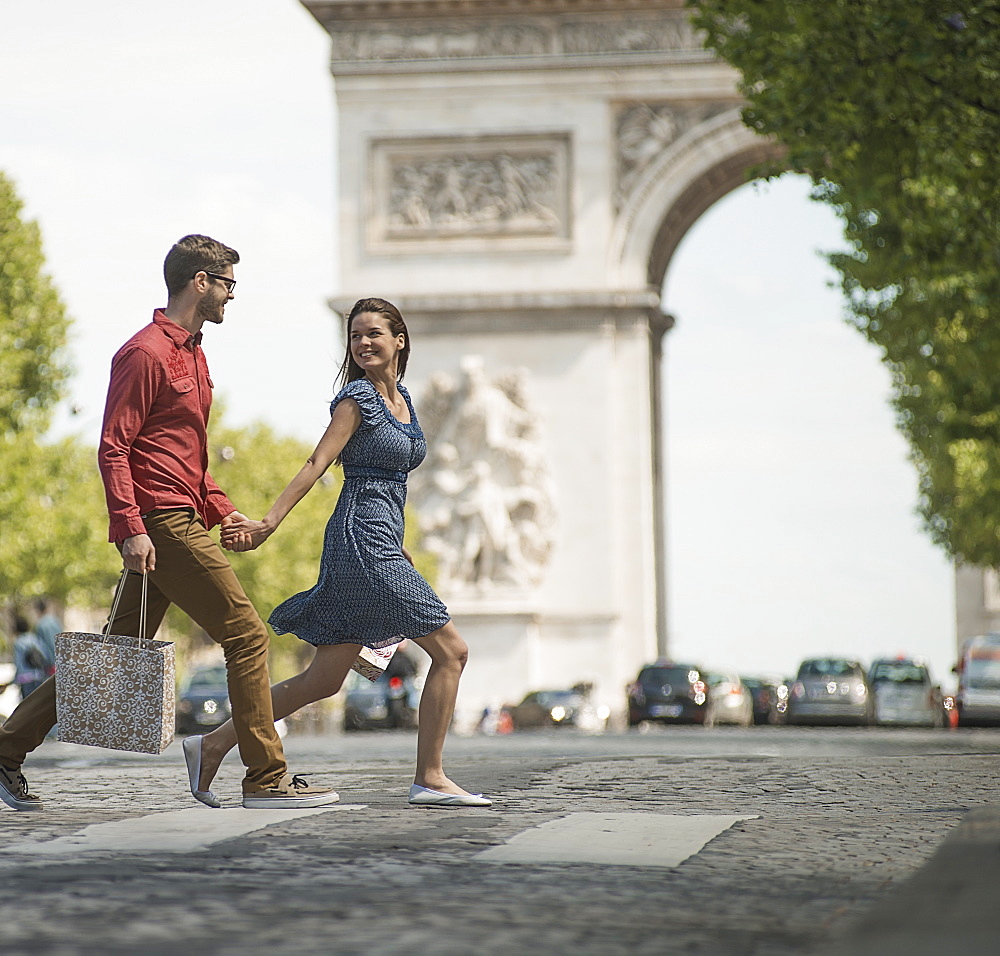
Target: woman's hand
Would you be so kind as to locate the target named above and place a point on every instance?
(239, 533)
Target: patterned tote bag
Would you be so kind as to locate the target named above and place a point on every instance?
(115, 691)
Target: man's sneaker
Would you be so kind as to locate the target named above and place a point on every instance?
(288, 794)
(14, 790)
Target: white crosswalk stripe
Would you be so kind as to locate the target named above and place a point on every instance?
(623, 839)
(175, 831)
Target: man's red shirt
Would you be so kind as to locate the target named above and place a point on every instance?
(154, 442)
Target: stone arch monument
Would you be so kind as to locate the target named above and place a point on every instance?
(516, 175)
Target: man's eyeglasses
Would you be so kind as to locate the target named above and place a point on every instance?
(230, 283)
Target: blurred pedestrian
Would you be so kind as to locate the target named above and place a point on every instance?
(32, 660)
(161, 499)
(368, 592)
(47, 626)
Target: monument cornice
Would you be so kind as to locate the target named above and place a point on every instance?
(332, 10)
(447, 313)
(411, 36)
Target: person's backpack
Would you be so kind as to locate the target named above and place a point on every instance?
(34, 654)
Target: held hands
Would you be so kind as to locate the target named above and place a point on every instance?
(239, 533)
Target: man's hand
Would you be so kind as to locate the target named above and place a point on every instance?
(138, 553)
(239, 533)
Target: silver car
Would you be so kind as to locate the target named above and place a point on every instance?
(729, 701)
(829, 690)
(904, 694)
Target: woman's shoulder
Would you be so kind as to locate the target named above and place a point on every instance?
(363, 393)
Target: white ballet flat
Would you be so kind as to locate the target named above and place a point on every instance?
(425, 797)
(192, 757)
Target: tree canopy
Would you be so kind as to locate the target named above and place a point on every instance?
(893, 108)
(33, 324)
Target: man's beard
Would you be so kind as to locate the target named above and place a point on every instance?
(210, 311)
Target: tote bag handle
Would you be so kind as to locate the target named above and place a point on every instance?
(118, 597)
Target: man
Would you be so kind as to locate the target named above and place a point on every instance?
(153, 457)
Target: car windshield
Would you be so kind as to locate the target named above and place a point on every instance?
(983, 672)
(656, 677)
(829, 667)
(714, 680)
(900, 672)
(210, 677)
(549, 698)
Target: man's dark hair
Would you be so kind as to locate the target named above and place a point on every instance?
(194, 254)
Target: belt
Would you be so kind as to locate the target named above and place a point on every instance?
(383, 474)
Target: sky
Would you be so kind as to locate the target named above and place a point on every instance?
(791, 525)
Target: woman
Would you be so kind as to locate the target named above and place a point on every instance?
(368, 592)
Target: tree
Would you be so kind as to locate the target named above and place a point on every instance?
(892, 107)
(33, 324)
(55, 525)
(51, 504)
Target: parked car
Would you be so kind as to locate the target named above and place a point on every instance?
(389, 703)
(558, 708)
(765, 698)
(203, 703)
(903, 693)
(978, 696)
(669, 692)
(829, 690)
(729, 702)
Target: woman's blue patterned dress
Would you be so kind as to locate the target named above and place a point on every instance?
(367, 592)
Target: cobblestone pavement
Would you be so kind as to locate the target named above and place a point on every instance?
(842, 816)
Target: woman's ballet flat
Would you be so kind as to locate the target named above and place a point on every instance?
(192, 757)
(424, 797)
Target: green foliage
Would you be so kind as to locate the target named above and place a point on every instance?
(51, 503)
(892, 107)
(55, 528)
(33, 324)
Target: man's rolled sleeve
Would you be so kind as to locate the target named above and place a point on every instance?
(217, 505)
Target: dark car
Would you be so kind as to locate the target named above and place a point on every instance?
(765, 699)
(829, 690)
(558, 708)
(203, 704)
(669, 692)
(389, 703)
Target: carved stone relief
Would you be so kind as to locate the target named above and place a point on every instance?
(484, 497)
(667, 32)
(491, 187)
(645, 131)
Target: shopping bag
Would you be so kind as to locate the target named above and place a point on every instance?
(372, 661)
(115, 691)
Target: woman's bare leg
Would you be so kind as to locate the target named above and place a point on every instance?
(322, 678)
(448, 653)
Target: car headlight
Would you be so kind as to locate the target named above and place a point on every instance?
(558, 713)
(210, 706)
(860, 692)
(184, 707)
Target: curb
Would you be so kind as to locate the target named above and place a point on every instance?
(949, 906)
